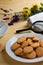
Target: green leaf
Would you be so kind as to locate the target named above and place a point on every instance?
(41, 4)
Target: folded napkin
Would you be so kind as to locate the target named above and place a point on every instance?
(37, 20)
(36, 17)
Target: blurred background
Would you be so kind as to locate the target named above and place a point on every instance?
(15, 6)
(18, 4)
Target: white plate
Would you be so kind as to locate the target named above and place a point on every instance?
(13, 56)
(3, 28)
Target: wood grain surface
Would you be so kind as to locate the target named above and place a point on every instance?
(15, 5)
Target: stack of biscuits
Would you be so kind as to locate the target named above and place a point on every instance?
(28, 47)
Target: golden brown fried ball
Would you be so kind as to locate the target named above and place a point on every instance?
(39, 51)
(18, 51)
(35, 45)
(35, 39)
(28, 49)
(31, 55)
(15, 46)
(24, 44)
(22, 39)
(29, 41)
(30, 37)
(41, 43)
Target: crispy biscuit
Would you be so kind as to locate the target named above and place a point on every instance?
(22, 39)
(39, 51)
(41, 43)
(29, 41)
(15, 46)
(18, 51)
(31, 55)
(24, 44)
(30, 37)
(28, 49)
(35, 39)
(35, 45)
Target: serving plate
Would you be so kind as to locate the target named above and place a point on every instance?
(13, 56)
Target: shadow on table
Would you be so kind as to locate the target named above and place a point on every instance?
(10, 61)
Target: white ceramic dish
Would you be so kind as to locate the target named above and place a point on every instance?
(3, 28)
(13, 56)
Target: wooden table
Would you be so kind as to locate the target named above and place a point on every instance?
(4, 58)
(16, 5)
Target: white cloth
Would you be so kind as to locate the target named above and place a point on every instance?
(36, 17)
